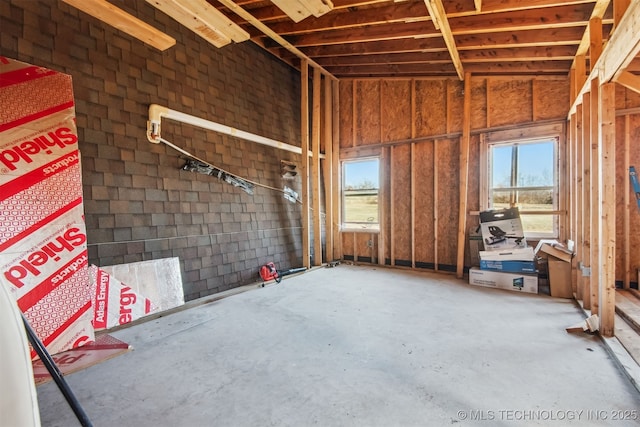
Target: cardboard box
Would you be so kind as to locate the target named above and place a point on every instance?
(501, 280)
(521, 254)
(502, 228)
(528, 267)
(558, 263)
(556, 251)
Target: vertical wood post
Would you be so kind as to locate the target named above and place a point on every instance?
(337, 236)
(586, 199)
(595, 201)
(382, 206)
(435, 204)
(328, 169)
(578, 189)
(304, 161)
(464, 175)
(413, 204)
(595, 39)
(392, 216)
(627, 204)
(315, 168)
(608, 209)
(573, 207)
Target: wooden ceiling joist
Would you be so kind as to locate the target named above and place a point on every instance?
(439, 17)
(118, 18)
(274, 36)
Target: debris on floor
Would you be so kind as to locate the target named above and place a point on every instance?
(590, 324)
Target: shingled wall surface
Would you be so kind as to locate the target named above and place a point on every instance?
(139, 205)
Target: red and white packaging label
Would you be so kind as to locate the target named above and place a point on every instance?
(43, 242)
(116, 303)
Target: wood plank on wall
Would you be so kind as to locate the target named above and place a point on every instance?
(608, 204)
(586, 192)
(595, 199)
(580, 219)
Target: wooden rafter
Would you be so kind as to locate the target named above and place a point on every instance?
(118, 18)
(629, 80)
(439, 17)
(273, 35)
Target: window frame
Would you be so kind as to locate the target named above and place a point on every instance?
(359, 226)
(518, 138)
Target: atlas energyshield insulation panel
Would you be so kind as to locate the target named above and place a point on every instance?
(115, 303)
(158, 279)
(43, 243)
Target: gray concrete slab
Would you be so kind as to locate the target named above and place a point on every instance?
(357, 346)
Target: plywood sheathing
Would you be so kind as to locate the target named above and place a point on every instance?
(410, 117)
(395, 110)
(401, 204)
(366, 247)
(510, 101)
(346, 104)
(348, 247)
(367, 112)
(448, 199)
(431, 108)
(550, 99)
(424, 205)
(478, 104)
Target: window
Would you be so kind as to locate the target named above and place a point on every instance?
(524, 174)
(360, 187)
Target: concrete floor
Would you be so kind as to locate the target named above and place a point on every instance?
(357, 346)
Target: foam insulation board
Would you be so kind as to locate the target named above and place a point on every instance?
(115, 303)
(43, 243)
(158, 280)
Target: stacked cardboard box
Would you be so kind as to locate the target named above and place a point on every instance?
(556, 259)
(507, 262)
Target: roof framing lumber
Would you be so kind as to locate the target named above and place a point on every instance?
(118, 18)
(618, 54)
(273, 35)
(439, 17)
(629, 80)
